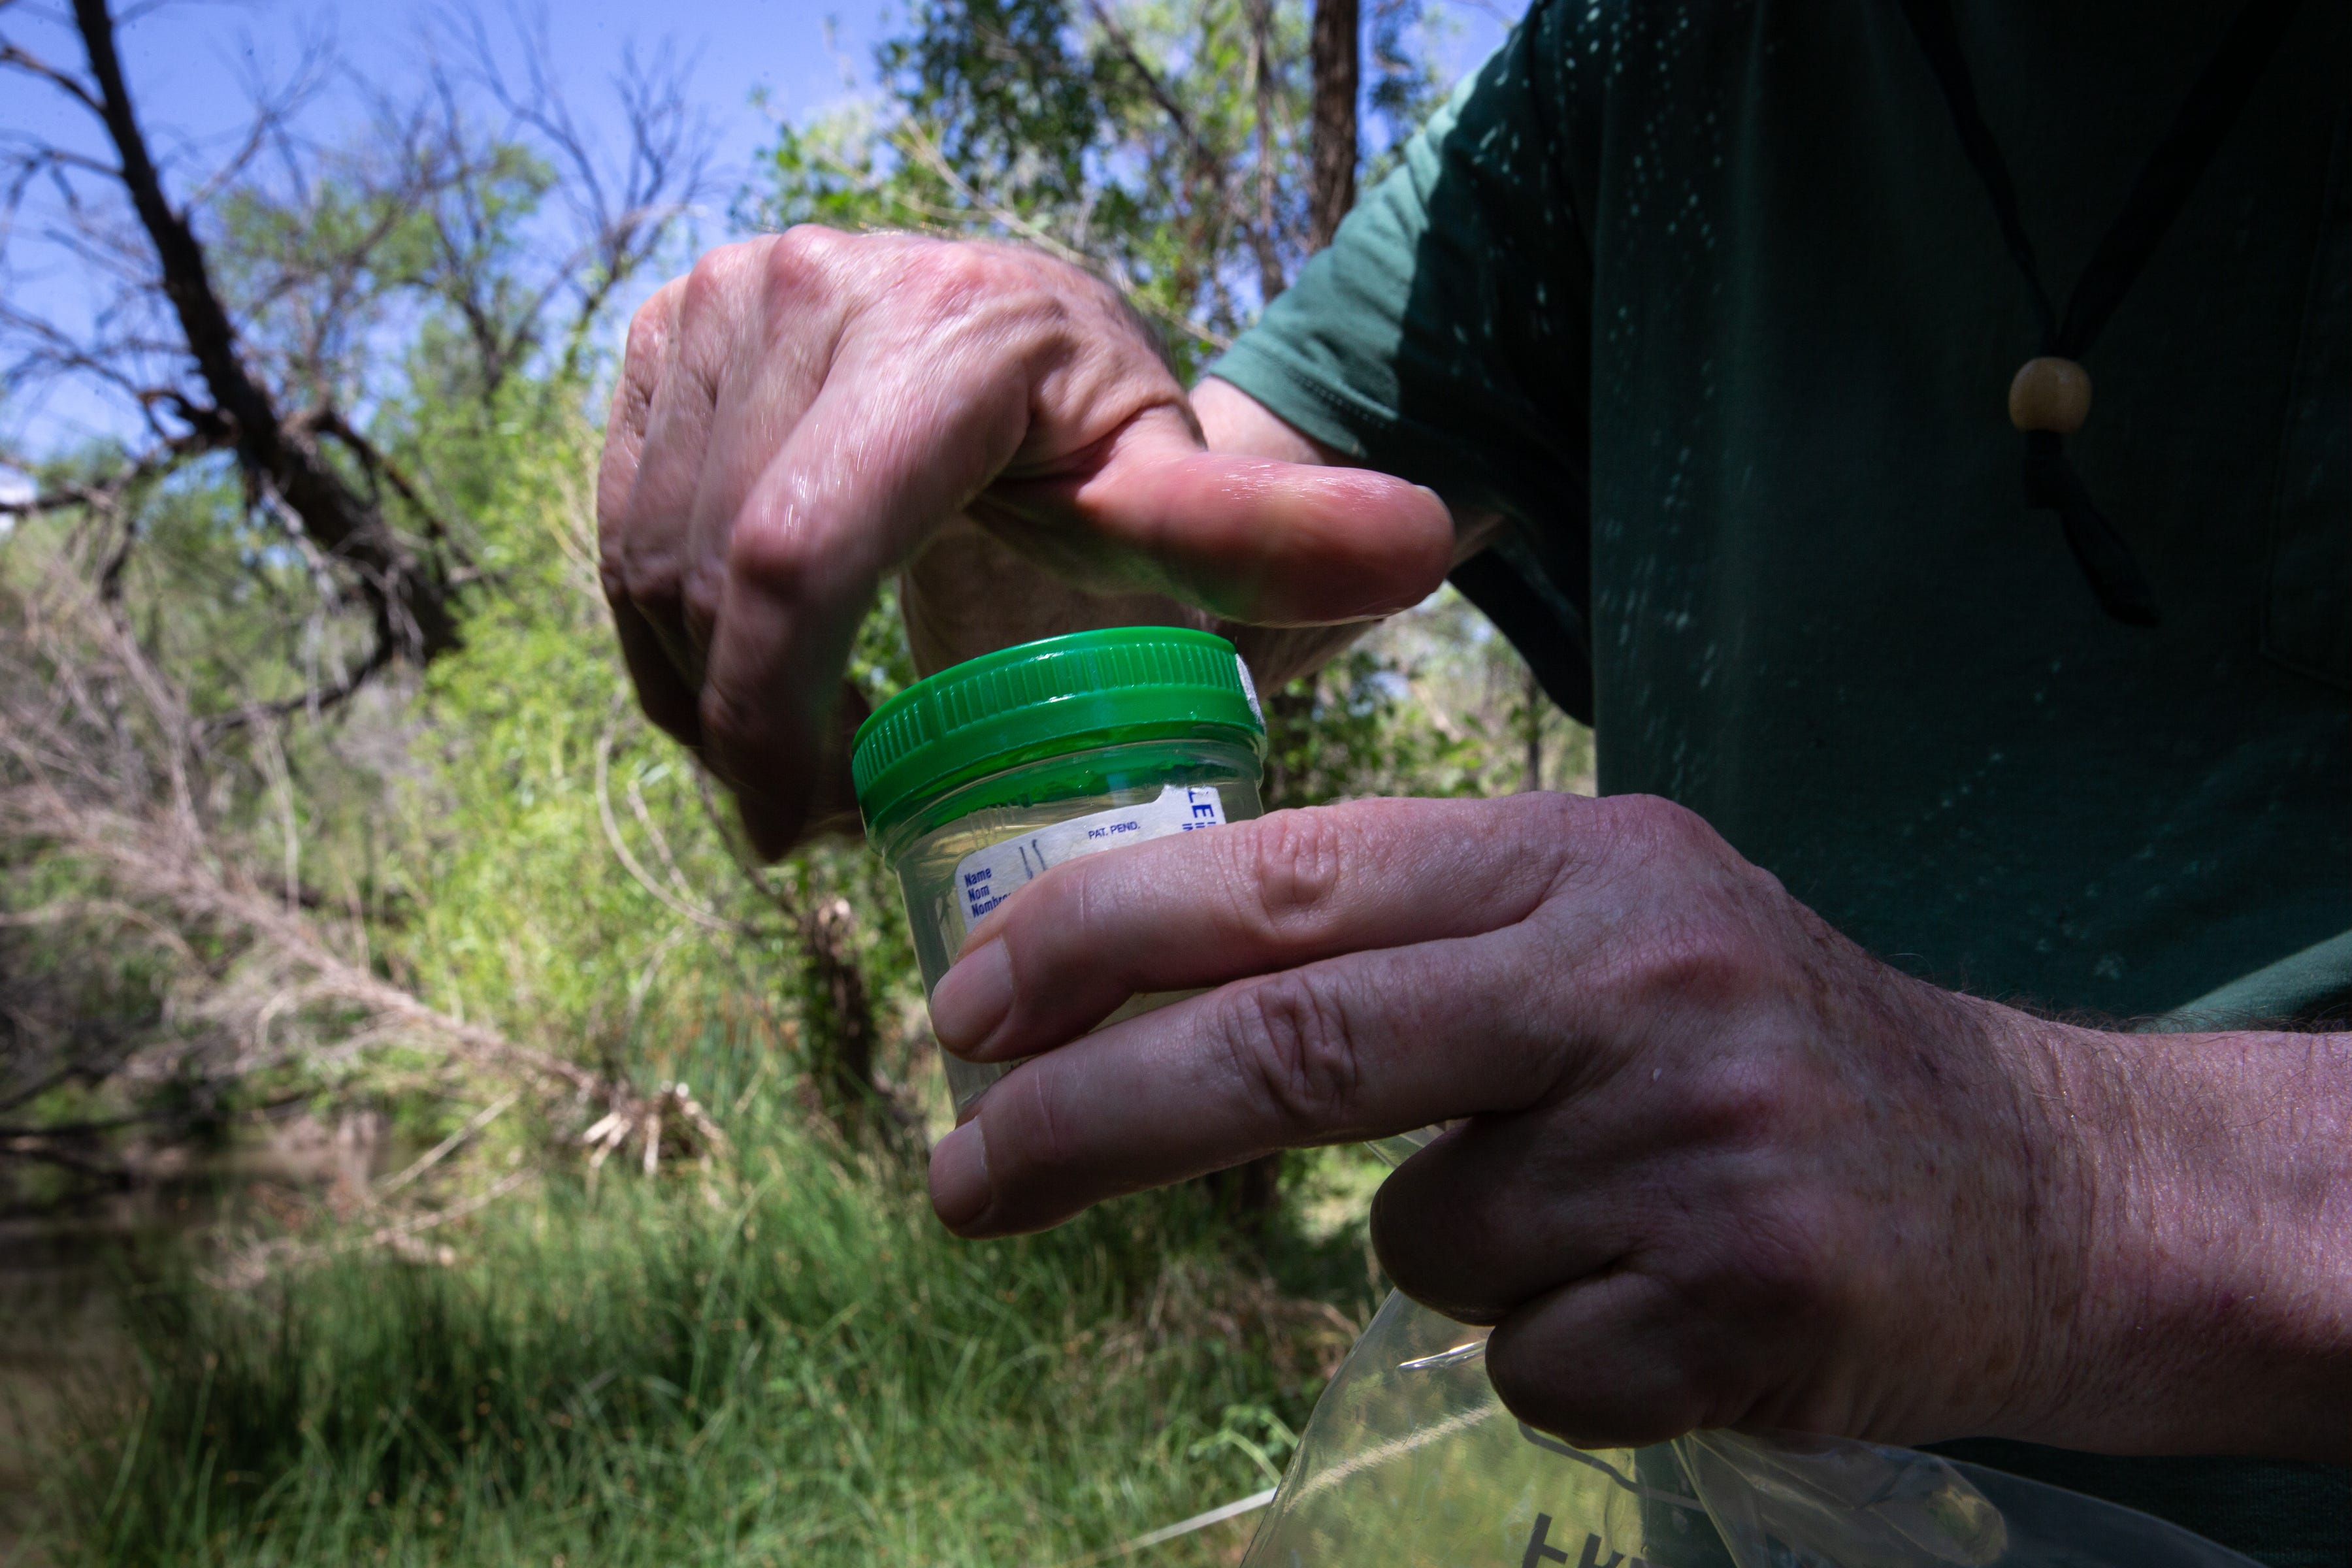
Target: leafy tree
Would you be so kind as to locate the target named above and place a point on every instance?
(239, 320)
(1159, 147)
(331, 361)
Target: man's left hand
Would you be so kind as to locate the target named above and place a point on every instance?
(1712, 1165)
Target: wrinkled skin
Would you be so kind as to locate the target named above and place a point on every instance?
(1713, 1165)
(804, 412)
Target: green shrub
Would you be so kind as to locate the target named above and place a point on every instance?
(791, 1365)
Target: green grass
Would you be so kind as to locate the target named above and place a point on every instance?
(795, 1365)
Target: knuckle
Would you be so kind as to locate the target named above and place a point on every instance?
(1550, 825)
(646, 574)
(801, 257)
(984, 287)
(730, 729)
(1543, 1395)
(1438, 1249)
(773, 548)
(1285, 867)
(701, 592)
(1657, 831)
(648, 332)
(711, 284)
(1743, 1103)
(954, 273)
(1593, 1402)
(1029, 1131)
(1708, 945)
(1294, 1051)
(1696, 955)
(1547, 816)
(1654, 825)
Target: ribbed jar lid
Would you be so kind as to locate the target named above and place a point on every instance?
(1043, 699)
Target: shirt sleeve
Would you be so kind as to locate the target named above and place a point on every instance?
(1445, 335)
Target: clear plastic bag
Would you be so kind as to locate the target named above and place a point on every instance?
(1410, 1462)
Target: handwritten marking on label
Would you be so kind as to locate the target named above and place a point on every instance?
(986, 878)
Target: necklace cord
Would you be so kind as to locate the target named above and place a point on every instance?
(2164, 181)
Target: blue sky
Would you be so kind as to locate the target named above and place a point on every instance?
(191, 62)
(188, 62)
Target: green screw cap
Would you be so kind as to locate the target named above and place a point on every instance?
(1042, 700)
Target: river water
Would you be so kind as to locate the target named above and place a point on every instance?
(62, 1272)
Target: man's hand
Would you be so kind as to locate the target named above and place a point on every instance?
(801, 414)
(1714, 1165)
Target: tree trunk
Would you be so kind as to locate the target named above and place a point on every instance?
(410, 595)
(1270, 280)
(1338, 75)
(1252, 1193)
(1532, 695)
(837, 1020)
(1289, 719)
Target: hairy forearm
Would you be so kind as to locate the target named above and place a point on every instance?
(2211, 1177)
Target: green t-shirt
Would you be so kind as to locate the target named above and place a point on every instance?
(1707, 301)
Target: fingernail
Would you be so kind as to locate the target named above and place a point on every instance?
(973, 997)
(959, 1189)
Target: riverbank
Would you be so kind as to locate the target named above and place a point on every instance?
(785, 1361)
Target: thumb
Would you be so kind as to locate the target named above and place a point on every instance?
(1250, 538)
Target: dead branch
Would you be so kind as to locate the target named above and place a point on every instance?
(255, 1264)
(379, 464)
(623, 214)
(409, 593)
(316, 702)
(62, 785)
(155, 863)
(911, 139)
(1122, 43)
(448, 1145)
(643, 1120)
(675, 902)
(220, 352)
(1216, 205)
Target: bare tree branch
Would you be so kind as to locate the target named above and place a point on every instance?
(673, 901)
(411, 598)
(18, 58)
(59, 786)
(315, 701)
(926, 152)
(1263, 85)
(623, 215)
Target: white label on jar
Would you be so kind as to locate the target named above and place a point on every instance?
(986, 878)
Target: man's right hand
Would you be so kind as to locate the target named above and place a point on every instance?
(802, 413)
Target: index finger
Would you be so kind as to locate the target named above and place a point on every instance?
(1350, 1049)
(652, 335)
(652, 331)
(1201, 908)
(883, 455)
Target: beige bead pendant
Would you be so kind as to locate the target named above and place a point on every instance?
(2049, 394)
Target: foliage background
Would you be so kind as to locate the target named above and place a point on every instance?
(493, 1165)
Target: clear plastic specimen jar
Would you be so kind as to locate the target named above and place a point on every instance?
(976, 780)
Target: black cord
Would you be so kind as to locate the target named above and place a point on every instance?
(2171, 172)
